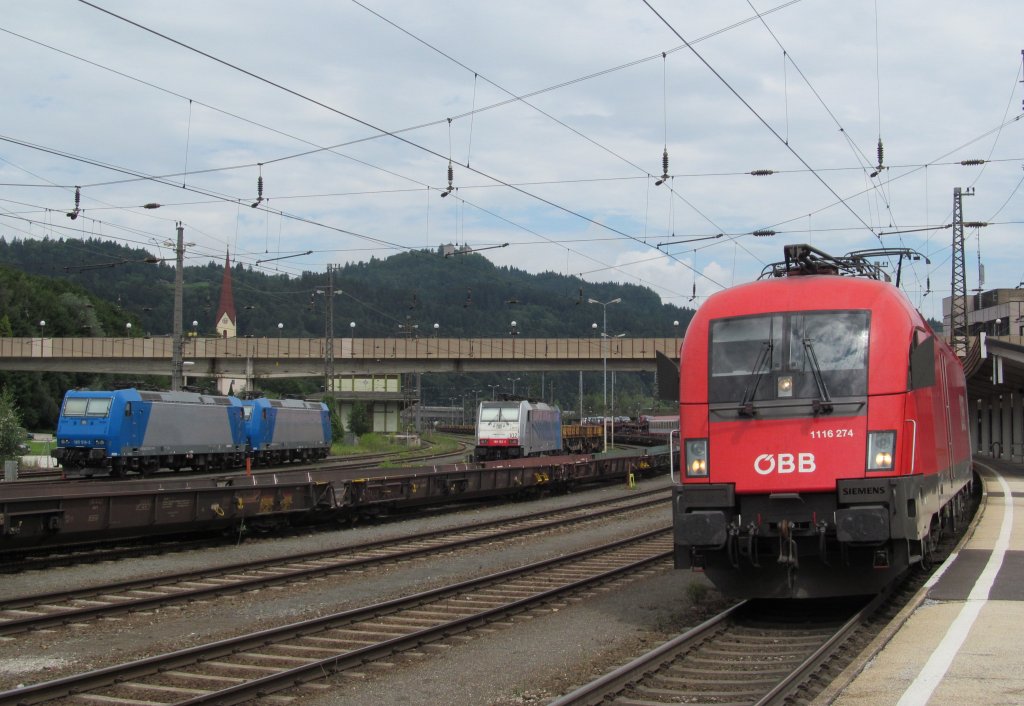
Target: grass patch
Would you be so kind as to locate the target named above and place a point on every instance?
(387, 443)
(40, 448)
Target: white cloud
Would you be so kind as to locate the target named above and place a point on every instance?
(941, 77)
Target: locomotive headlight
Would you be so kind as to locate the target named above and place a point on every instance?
(785, 386)
(881, 446)
(697, 458)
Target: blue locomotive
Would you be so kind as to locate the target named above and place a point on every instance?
(280, 431)
(136, 431)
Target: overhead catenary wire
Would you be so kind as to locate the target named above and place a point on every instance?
(466, 184)
(365, 123)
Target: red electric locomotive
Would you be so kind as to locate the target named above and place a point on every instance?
(824, 432)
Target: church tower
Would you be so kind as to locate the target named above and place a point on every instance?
(227, 320)
(227, 327)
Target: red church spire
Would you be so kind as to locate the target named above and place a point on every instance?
(227, 319)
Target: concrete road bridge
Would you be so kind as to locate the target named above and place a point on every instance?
(254, 358)
(994, 365)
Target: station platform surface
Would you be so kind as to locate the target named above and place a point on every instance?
(961, 641)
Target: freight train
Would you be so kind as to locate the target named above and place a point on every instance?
(135, 431)
(519, 428)
(824, 432)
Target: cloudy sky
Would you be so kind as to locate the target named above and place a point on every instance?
(554, 116)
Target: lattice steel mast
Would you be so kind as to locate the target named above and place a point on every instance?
(958, 300)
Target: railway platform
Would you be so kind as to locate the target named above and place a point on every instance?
(959, 641)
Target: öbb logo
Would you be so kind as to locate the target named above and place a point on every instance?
(766, 464)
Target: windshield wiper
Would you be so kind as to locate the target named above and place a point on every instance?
(823, 405)
(761, 366)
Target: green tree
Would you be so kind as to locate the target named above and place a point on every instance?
(359, 421)
(10, 425)
(337, 426)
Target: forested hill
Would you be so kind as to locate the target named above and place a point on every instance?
(465, 295)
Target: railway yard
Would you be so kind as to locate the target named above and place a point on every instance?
(570, 598)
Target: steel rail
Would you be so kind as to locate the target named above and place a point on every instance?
(650, 544)
(484, 531)
(596, 691)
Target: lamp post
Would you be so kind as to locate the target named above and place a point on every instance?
(437, 327)
(128, 330)
(280, 328)
(604, 359)
(513, 381)
(476, 403)
(493, 388)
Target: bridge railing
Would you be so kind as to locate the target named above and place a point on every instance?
(357, 348)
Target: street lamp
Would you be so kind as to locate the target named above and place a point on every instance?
(476, 403)
(493, 388)
(280, 327)
(513, 381)
(604, 358)
(437, 326)
(128, 330)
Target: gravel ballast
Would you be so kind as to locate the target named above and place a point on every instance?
(529, 659)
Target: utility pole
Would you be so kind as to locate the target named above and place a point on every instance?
(177, 365)
(329, 334)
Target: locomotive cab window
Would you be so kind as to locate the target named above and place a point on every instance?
(87, 407)
(816, 355)
(500, 413)
(922, 361)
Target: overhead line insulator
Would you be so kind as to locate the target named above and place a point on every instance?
(78, 202)
(664, 168)
(762, 172)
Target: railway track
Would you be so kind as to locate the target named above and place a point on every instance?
(358, 462)
(761, 652)
(748, 654)
(262, 663)
(75, 606)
